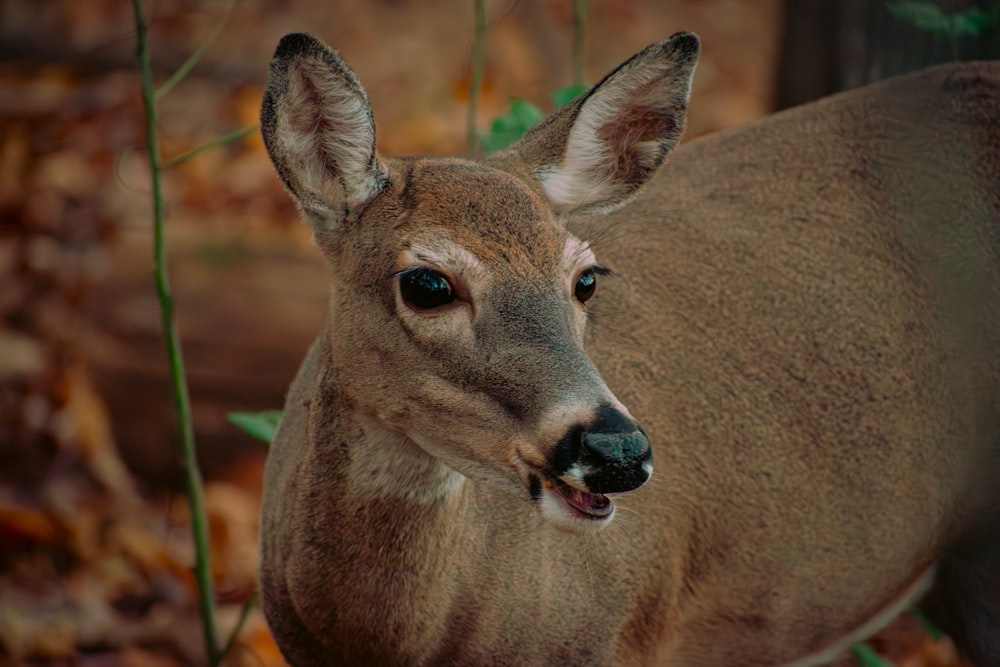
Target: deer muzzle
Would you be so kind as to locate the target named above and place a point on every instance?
(609, 454)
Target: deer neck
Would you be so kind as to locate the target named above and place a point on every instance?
(388, 467)
(386, 511)
(386, 484)
(378, 466)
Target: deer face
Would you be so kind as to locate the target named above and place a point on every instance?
(459, 300)
(459, 305)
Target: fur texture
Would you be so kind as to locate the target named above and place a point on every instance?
(803, 315)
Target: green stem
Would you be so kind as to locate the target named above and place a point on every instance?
(221, 141)
(182, 402)
(866, 657)
(476, 82)
(932, 630)
(244, 613)
(579, 39)
(192, 60)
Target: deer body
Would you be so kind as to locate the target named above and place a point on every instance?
(801, 333)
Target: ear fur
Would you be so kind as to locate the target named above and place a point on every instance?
(319, 131)
(596, 152)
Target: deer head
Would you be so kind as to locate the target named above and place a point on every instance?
(459, 299)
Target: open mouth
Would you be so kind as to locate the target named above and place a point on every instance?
(581, 504)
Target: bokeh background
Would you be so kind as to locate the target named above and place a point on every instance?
(95, 551)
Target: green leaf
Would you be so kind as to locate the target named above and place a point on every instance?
(526, 113)
(260, 425)
(971, 22)
(924, 15)
(566, 94)
(866, 657)
(508, 128)
(521, 117)
(494, 141)
(928, 16)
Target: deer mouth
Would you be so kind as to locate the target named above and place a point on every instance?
(579, 504)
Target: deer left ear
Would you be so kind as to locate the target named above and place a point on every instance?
(318, 129)
(596, 152)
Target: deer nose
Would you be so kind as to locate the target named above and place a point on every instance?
(611, 453)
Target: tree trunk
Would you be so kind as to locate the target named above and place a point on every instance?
(834, 45)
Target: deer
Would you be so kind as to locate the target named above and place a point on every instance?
(576, 403)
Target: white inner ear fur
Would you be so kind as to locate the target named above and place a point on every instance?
(586, 175)
(327, 129)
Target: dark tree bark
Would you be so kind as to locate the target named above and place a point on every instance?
(834, 45)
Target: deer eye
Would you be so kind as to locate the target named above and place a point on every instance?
(586, 285)
(424, 289)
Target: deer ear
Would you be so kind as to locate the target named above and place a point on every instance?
(318, 129)
(597, 151)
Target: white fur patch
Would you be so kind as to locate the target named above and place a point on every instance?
(586, 175)
(325, 123)
(576, 474)
(443, 254)
(576, 253)
(396, 467)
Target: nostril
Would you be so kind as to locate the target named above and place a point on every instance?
(614, 451)
(617, 461)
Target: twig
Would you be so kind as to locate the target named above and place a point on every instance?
(244, 613)
(221, 141)
(476, 82)
(193, 59)
(182, 401)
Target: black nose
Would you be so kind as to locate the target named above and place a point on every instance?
(612, 452)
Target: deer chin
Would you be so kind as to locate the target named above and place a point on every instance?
(568, 506)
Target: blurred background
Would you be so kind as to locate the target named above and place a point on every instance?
(95, 552)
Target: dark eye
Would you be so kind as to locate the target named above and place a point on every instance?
(586, 285)
(425, 289)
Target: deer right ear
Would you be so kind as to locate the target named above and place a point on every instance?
(318, 129)
(597, 151)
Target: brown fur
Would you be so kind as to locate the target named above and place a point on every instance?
(803, 316)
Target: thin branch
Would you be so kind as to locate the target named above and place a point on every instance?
(476, 82)
(193, 59)
(244, 613)
(215, 143)
(579, 39)
(182, 401)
